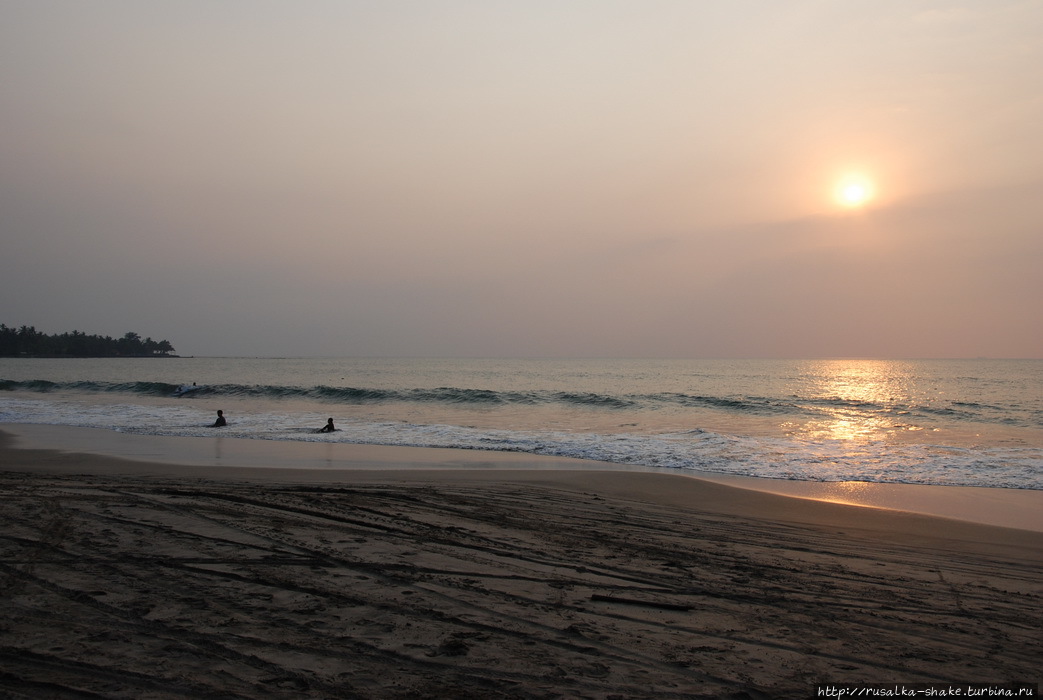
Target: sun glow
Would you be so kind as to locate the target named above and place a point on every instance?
(854, 191)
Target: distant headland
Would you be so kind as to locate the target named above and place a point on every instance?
(29, 342)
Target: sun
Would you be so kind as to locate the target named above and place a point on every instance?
(854, 191)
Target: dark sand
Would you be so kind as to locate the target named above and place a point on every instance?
(123, 580)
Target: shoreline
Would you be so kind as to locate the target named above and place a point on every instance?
(1013, 508)
(125, 578)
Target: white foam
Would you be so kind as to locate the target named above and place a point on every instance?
(769, 457)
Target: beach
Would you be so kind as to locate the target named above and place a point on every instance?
(484, 575)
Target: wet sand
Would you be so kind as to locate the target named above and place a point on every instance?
(137, 579)
(1004, 507)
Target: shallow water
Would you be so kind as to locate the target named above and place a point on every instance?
(952, 422)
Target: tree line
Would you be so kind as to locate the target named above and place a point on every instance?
(29, 342)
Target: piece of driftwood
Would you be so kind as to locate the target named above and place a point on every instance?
(633, 601)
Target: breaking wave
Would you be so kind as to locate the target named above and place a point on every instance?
(794, 405)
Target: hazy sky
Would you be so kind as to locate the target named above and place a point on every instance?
(538, 178)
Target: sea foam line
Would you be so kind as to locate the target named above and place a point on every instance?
(778, 458)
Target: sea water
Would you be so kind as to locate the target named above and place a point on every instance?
(943, 422)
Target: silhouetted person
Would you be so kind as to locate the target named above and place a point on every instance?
(328, 428)
(220, 422)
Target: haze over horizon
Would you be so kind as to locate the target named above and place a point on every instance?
(576, 179)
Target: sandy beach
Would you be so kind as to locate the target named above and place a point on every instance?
(133, 579)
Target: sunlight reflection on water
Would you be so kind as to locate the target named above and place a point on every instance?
(857, 400)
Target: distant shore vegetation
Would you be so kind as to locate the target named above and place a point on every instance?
(29, 342)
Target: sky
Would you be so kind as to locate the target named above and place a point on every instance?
(549, 178)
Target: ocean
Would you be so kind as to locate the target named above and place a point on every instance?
(937, 422)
